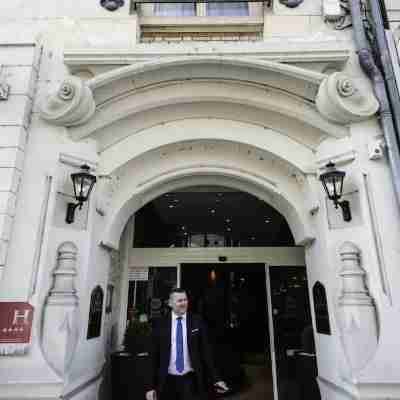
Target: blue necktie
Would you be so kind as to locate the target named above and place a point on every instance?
(179, 345)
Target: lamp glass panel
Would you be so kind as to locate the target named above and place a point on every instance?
(331, 187)
(83, 184)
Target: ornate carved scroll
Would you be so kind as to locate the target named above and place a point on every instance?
(341, 100)
(70, 104)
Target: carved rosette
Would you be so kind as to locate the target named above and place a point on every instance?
(357, 312)
(60, 323)
(340, 100)
(70, 104)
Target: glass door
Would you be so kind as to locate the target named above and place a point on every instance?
(149, 290)
(292, 338)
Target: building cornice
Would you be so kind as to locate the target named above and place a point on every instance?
(334, 51)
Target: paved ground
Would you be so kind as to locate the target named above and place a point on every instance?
(261, 387)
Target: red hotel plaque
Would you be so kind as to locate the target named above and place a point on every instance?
(15, 322)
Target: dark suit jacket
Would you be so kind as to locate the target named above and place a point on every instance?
(199, 352)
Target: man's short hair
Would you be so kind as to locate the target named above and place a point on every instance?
(176, 290)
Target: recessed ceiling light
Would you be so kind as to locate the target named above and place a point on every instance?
(171, 206)
(267, 221)
(212, 211)
(183, 228)
(228, 229)
(228, 220)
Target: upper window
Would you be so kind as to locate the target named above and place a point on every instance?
(214, 9)
(233, 9)
(175, 9)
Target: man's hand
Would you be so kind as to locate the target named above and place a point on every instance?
(151, 395)
(221, 387)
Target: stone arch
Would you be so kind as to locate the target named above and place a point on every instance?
(294, 154)
(134, 193)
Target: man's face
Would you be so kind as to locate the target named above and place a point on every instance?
(179, 303)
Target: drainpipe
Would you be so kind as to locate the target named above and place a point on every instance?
(381, 22)
(369, 66)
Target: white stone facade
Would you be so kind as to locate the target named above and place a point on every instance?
(78, 85)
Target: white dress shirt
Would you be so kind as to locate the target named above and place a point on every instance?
(186, 359)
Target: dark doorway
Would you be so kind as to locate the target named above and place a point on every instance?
(232, 300)
(296, 365)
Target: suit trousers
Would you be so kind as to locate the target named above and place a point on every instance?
(181, 387)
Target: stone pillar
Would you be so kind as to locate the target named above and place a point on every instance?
(60, 324)
(357, 313)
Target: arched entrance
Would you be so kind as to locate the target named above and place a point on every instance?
(212, 163)
(252, 293)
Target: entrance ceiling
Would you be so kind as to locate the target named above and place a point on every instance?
(213, 210)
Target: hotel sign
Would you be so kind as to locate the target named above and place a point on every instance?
(15, 327)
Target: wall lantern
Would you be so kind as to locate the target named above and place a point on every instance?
(83, 183)
(112, 5)
(332, 180)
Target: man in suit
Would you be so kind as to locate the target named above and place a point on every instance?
(181, 355)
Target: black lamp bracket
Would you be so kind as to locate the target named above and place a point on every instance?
(345, 206)
(71, 207)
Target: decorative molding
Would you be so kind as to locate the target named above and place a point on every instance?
(4, 87)
(246, 63)
(331, 10)
(307, 242)
(339, 159)
(283, 256)
(60, 323)
(357, 312)
(268, 182)
(304, 52)
(70, 104)
(376, 148)
(77, 162)
(341, 100)
(40, 234)
(378, 241)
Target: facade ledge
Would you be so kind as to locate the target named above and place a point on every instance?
(335, 52)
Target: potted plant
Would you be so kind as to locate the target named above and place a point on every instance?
(131, 368)
(137, 338)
